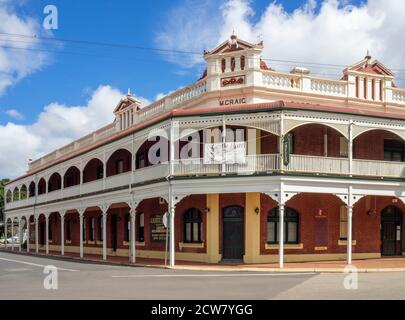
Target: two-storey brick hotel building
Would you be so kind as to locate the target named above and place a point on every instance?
(293, 168)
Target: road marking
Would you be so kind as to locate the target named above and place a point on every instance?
(35, 264)
(216, 275)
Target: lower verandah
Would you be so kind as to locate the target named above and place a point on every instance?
(233, 228)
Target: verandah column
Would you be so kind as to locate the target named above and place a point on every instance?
(133, 235)
(47, 232)
(36, 234)
(12, 234)
(81, 212)
(28, 232)
(104, 218)
(19, 234)
(281, 236)
(62, 232)
(349, 233)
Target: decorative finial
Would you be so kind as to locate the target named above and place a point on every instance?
(129, 92)
(368, 56)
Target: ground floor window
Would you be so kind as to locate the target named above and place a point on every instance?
(69, 230)
(50, 230)
(343, 223)
(141, 228)
(126, 228)
(100, 229)
(84, 229)
(91, 229)
(193, 226)
(291, 226)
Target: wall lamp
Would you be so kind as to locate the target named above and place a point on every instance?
(257, 210)
(207, 210)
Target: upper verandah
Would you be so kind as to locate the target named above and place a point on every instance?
(235, 65)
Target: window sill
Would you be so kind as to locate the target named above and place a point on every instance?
(191, 245)
(125, 243)
(68, 241)
(344, 242)
(91, 242)
(140, 243)
(287, 246)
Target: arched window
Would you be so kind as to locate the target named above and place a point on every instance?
(93, 170)
(16, 194)
(32, 189)
(193, 226)
(223, 65)
(54, 182)
(23, 192)
(290, 226)
(41, 187)
(9, 196)
(72, 177)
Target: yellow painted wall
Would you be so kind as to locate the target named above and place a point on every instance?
(213, 228)
(252, 228)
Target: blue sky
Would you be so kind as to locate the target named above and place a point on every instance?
(70, 78)
(54, 92)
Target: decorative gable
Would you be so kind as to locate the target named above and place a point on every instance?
(125, 111)
(370, 67)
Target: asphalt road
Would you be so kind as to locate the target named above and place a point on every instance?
(22, 277)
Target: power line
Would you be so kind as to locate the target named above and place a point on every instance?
(274, 61)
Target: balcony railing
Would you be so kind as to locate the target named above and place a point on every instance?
(253, 164)
(379, 168)
(314, 164)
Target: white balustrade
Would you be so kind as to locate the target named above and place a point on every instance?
(151, 173)
(378, 168)
(92, 186)
(314, 164)
(118, 180)
(280, 80)
(329, 87)
(398, 95)
(71, 191)
(253, 163)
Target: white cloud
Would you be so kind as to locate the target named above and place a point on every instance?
(333, 32)
(56, 126)
(13, 113)
(16, 64)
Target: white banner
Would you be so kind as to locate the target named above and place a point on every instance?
(230, 152)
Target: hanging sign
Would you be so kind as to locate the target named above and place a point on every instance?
(157, 228)
(287, 148)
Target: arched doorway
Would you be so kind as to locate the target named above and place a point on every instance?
(391, 231)
(232, 233)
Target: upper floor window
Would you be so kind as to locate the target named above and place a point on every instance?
(223, 65)
(290, 226)
(393, 150)
(193, 226)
